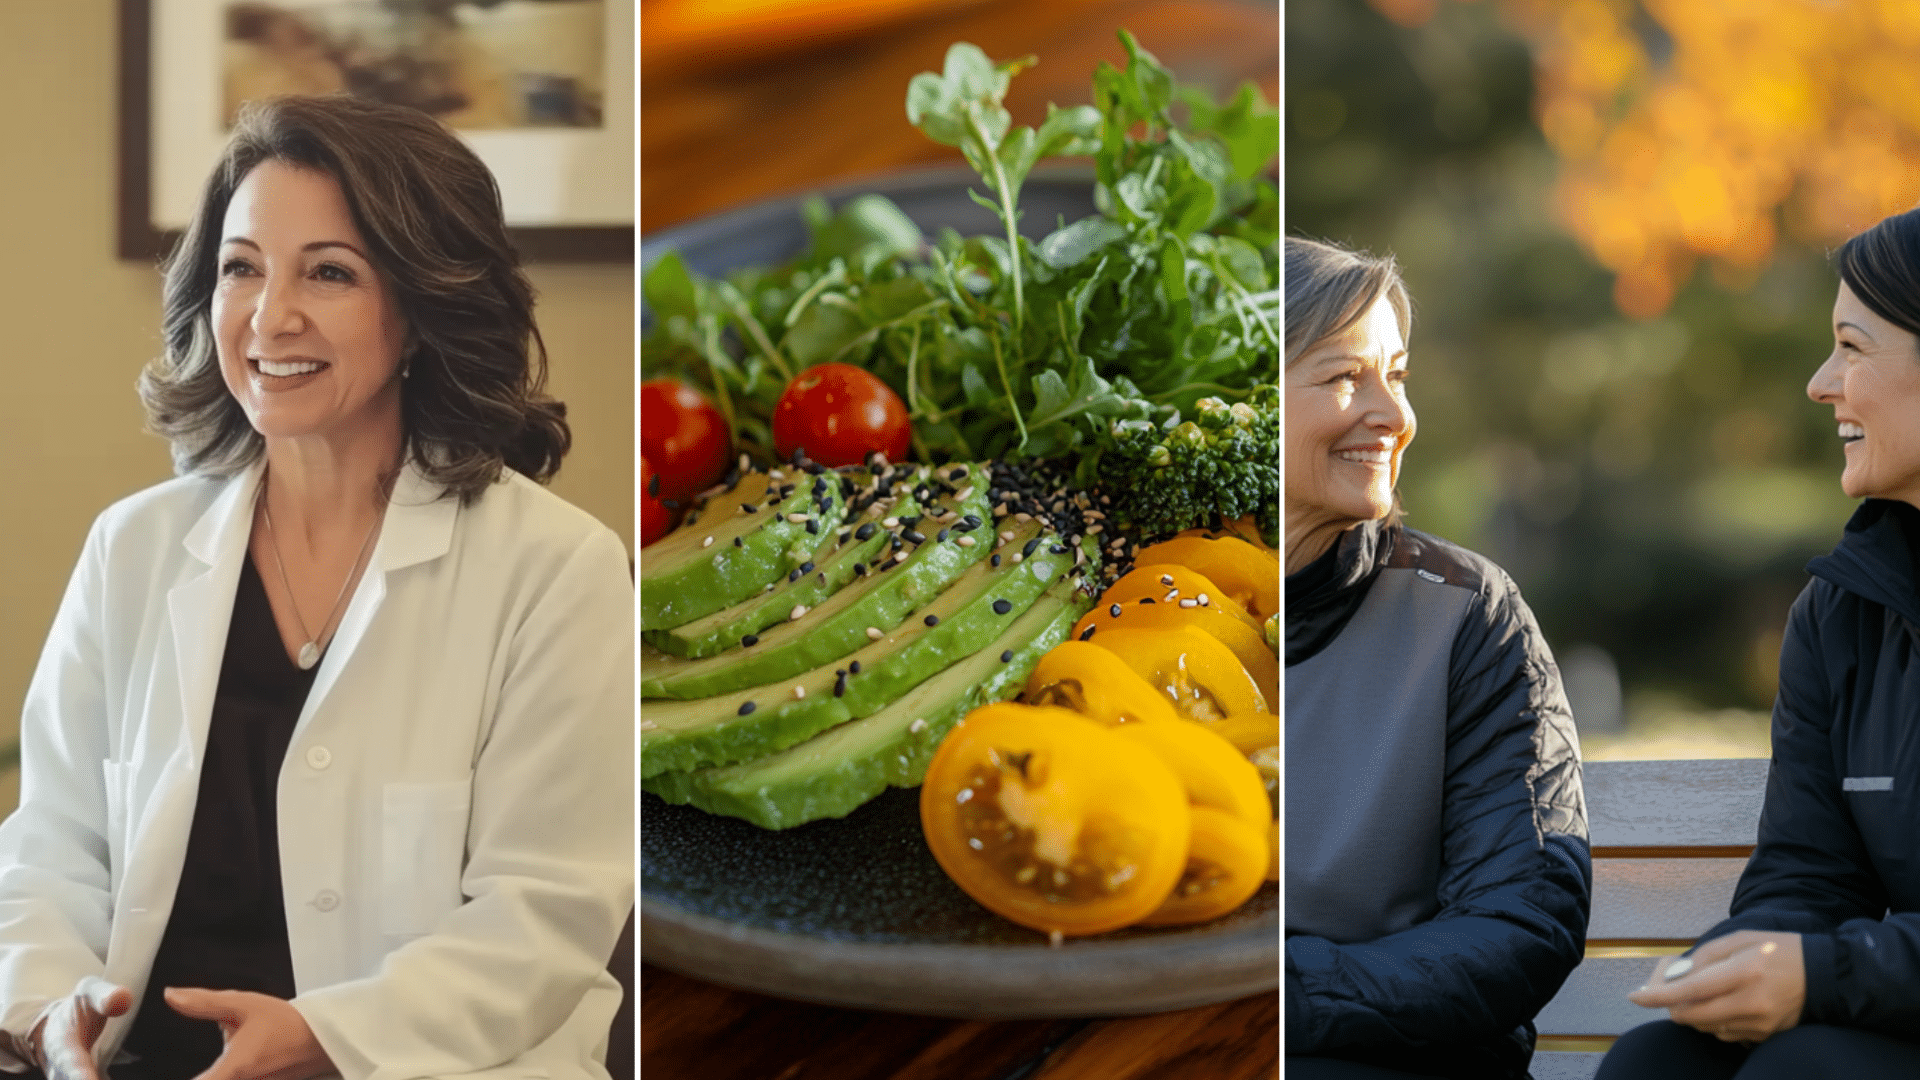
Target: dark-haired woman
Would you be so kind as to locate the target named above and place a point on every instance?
(1816, 971)
(326, 766)
(1437, 868)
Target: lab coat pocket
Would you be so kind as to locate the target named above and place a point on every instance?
(423, 851)
(115, 773)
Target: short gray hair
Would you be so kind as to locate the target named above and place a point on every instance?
(1330, 287)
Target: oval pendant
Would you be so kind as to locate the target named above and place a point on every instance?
(309, 656)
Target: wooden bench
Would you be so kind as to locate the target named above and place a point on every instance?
(1669, 841)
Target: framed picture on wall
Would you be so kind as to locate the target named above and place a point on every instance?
(542, 90)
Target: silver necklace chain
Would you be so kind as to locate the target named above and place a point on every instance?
(310, 652)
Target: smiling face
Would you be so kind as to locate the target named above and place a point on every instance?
(308, 332)
(1872, 380)
(1348, 421)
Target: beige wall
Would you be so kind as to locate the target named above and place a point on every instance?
(77, 325)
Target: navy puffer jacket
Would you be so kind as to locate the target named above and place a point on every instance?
(1437, 868)
(1838, 855)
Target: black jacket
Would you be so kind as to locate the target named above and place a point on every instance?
(1454, 994)
(1838, 856)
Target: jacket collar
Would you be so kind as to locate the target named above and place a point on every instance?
(1321, 598)
(418, 526)
(1875, 557)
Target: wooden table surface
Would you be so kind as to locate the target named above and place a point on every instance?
(718, 131)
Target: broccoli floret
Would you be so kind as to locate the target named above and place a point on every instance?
(1223, 464)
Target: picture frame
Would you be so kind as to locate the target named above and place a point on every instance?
(567, 192)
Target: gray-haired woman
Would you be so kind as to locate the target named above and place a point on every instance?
(326, 766)
(1437, 871)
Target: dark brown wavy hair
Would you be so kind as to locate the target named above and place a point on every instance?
(473, 400)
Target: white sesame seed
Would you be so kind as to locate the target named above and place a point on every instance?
(776, 474)
(707, 543)
(769, 587)
(1203, 599)
(1171, 593)
(965, 493)
(799, 691)
(1079, 555)
(1054, 938)
(1017, 556)
(1188, 602)
(917, 726)
(1096, 530)
(891, 523)
(1006, 535)
(796, 518)
(745, 463)
(900, 556)
(798, 610)
(1025, 874)
(1096, 515)
(1166, 579)
(1023, 516)
(873, 633)
(1000, 510)
(965, 541)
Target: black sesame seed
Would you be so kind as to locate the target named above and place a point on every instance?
(1001, 607)
(1114, 611)
(806, 567)
(653, 485)
(996, 558)
(897, 545)
(823, 578)
(737, 543)
(1026, 552)
(799, 455)
(973, 521)
(1088, 632)
(746, 707)
(1006, 656)
(854, 668)
(814, 527)
(941, 536)
(793, 576)
(732, 477)
(1058, 549)
(840, 685)
(910, 520)
(916, 536)
(860, 569)
(1146, 599)
(863, 531)
(748, 507)
(750, 640)
(845, 535)
(959, 472)
(671, 504)
(932, 620)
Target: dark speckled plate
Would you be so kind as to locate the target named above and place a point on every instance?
(855, 911)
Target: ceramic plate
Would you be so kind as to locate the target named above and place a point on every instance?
(855, 911)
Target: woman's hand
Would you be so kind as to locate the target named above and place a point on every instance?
(1744, 987)
(61, 1042)
(266, 1038)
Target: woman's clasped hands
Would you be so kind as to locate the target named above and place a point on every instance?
(265, 1037)
(1744, 987)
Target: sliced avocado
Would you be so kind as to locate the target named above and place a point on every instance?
(698, 568)
(836, 771)
(880, 600)
(838, 563)
(680, 735)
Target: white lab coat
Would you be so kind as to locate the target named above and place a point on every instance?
(455, 808)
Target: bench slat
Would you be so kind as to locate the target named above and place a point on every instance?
(1709, 803)
(1594, 999)
(1674, 899)
(1563, 1065)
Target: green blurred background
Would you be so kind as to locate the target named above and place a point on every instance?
(1655, 485)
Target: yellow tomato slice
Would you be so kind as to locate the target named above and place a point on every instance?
(1169, 584)
(1093, 682)
(1248, 732)
(1202, 677)
(1249, 645)
(1248, 575)
(1053, 821)
(1226, 862)
(1214, 773)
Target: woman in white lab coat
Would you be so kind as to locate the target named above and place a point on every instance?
(327, 763)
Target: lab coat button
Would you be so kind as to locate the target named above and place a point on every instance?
(319, 757)
(326, 900)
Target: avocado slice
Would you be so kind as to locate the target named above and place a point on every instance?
(699, 568)
(838, 626)
(837, 562)
(834, 772)
(684, 735)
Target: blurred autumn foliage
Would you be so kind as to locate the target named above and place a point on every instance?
(1693, 130)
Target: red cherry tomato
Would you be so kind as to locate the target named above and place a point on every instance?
(839, 413)
(684, 436)
(655, 519)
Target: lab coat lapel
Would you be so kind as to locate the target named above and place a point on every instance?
(201, 608)
(418, 527)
